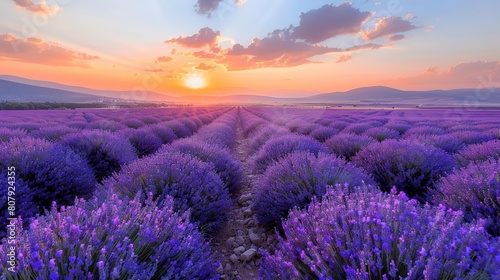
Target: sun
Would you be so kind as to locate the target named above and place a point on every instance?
(195, 81)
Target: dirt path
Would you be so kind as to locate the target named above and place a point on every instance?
(240, 241)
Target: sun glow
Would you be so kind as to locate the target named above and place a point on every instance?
(195, 81)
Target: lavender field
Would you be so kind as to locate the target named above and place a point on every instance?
(250, 193)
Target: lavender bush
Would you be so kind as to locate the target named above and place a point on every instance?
(7, 134)
(357, 128)
(280, 146)
(348, 145)
(424, 130)
(144, 142)
(411, 167)
(367, 234)
(219, 134)
(447, 142)
(229, 169)
(260, 137)
(45, 172)
(104, 151)
(382, 133)
(167, 135)
(323, 133)
(472, 137)
(398, 125)
(53, 133)
(180, 130)
(294, 180)
(193, 185)
(112, 239)
(478, 153)
(475, 190)
(133, 123)
(107, 124)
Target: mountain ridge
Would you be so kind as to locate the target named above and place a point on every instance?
(20, 89)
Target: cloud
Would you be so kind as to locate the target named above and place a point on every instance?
(206, 7)
(164, 59)
(369, 46)
(389, 26)
(36, 50)
(344, 58)
(288, 47)
(396, 37)
(329, 21)
(278, 49)
(431, 69)
(205, 37)
(272, 51)
(40, 8)
(205, 67)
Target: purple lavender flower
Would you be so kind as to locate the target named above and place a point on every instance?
(348, 145)
(295, 179)
(144, 241)
(229, 169)
(280, 146)
(475, 190)
(411, 167)
(478, 153)
(104, 151)
(144, 142)
(45, 172)
(366, 234)
(193, 184)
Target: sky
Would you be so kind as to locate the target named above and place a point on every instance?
(278, 48)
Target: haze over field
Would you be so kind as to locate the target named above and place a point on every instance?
(284, 49)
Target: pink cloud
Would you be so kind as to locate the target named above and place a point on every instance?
(431, 69)
(164, 59)
(272, 51)
(329, 21)
(36, 50)
(396, 37)
(369, 46)
(205, 67)
(389, 26)
(344, 58)
(204, 37)
(40, 8)
(276, 50)
(206, 7)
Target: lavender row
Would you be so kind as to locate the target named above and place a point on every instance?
(391, 157)
(362, 233)
(173, 183)
(72, 162)
(418, 161)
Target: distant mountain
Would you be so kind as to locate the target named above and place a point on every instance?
(390, 95)
(25, 90)
(126, 95)
(17, 92)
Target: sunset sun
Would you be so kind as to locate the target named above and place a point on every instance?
(195, 81)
